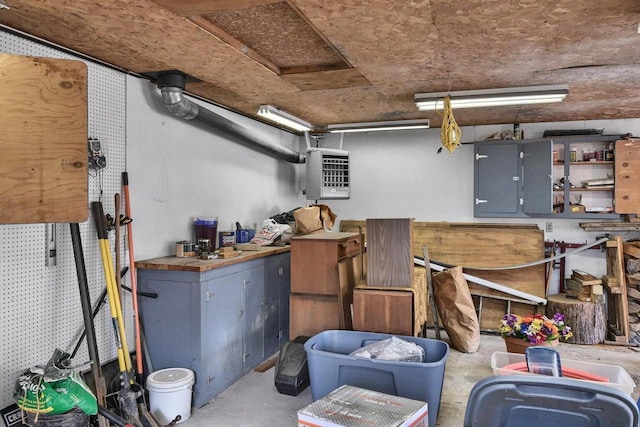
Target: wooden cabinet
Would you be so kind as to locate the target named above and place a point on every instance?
(220, 323)
(627, 171)
(315, 302)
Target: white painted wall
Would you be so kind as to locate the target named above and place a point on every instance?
(179, 170)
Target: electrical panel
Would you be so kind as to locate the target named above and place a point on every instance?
(327, 174)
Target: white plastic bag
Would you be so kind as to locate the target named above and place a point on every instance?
(394, 349)
(269, 232)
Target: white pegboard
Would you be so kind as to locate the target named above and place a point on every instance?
(40, 306)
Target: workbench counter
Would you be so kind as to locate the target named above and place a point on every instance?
(202, 265)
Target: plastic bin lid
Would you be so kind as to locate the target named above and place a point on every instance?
(170, 378)
(524, 401)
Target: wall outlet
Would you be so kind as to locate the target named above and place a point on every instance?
(548, 227)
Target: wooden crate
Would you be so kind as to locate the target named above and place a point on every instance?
(387, 311)
(370, 300)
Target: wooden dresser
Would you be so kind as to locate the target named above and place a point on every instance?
(316, 302)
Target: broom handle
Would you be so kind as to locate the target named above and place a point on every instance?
(132, 272)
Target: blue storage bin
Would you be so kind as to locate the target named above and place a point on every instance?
(330, 367)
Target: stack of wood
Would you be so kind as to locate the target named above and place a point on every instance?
(632, 269)
(585, 287)
(392, 299)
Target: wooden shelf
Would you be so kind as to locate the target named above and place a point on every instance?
(607, 162)
(585, 189)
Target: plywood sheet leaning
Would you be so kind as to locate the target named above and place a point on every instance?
(43, 140)
(483, 245)
(627, 171)
(390, 252)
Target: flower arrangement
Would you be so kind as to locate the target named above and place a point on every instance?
(535, 328)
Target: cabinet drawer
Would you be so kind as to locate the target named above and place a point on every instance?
(348, 247)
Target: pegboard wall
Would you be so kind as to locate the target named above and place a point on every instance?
(40, 305)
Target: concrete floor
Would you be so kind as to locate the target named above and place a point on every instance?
(253, 401)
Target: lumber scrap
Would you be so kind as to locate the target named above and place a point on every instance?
(611, 284)
(632, 249)
(618, 318)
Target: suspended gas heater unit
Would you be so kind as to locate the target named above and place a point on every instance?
(327, 174)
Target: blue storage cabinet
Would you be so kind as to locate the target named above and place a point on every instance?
(220, 323)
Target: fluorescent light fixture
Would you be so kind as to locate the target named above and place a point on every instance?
(379, 126)
(276, 115)
(492, 97)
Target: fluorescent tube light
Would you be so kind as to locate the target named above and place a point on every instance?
(276, 115)
(379, 126)
(492, 97)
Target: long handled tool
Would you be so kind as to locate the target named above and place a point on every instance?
(126, 396)
(85, 299)
(124, 360)
(116, 201)
(132, 269)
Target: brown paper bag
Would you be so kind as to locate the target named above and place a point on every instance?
(307, 220)
(456, 310)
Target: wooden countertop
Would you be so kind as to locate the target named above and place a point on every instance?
(202, 265)
(327, 235)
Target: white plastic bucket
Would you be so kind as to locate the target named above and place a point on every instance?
(170, 394)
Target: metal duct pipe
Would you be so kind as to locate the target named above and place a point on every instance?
(172, 85)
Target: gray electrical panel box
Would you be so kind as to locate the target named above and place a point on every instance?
(327, 174)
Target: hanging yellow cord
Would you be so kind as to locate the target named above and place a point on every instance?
(450, 132)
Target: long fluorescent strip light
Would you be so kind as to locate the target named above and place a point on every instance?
(276, 115)
(379, 126)
(492, 97)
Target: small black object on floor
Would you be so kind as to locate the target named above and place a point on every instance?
(292, 372)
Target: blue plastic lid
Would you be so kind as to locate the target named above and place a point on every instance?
(200, 221)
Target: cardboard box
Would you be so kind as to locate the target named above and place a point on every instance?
(577, 209)
(349, 406)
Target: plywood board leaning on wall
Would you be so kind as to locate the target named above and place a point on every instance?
(43, 140)
(483, 245)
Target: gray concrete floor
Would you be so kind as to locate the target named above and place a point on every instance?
(253, 401)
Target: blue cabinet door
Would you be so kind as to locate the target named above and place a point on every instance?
(497, 176)
(276, 293)
(222, 333)
(253, 283)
